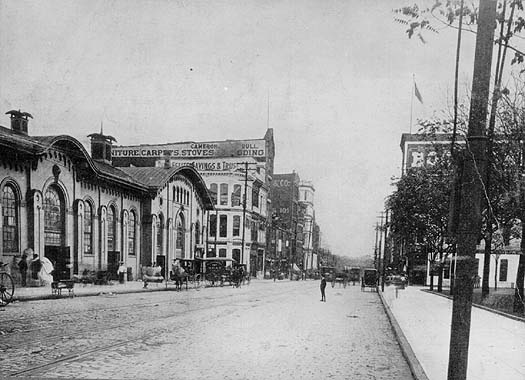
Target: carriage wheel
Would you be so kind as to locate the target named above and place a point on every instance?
(197, 281)
(7, 289)
(209, 281)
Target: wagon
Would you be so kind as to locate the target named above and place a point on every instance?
(354, 275)
(341, 278)
(328, 273)
(216, 272)
(370, 279)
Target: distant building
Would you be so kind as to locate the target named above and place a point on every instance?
(287, 222)
(84, 214)
(237, 174)
(306, 198)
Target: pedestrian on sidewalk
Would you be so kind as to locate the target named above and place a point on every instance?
(121, 272)
(323, 287)
(46, 274)
(22, 266)
(35, 266)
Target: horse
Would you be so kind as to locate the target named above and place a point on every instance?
(237, 276)
(179, 276)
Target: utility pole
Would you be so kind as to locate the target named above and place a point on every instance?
(244, 210)
(384, 254)
(469, 225)
(380, 244)
(375, 247)
(244, 207)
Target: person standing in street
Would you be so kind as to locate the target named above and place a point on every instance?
(323, 287)
(22, 266)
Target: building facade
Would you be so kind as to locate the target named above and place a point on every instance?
(86, 215)
(237, 174)
(287, 225)
(306, 198)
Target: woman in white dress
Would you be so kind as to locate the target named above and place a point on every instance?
(45, 275)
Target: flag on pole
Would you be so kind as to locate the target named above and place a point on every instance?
(417, 93)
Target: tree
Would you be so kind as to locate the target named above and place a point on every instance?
(420, 208)
(510, 18)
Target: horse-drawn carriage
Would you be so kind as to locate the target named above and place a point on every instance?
(340, 278)
(370, 279)
(185, 271)
(354, 275)
(218, 270)
(328, 273)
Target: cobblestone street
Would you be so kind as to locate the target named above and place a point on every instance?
(264, 330)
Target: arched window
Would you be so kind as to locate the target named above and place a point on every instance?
(197, 233)
(88, 229)
(131, 233)
(10, 219)
(111, 228)
(54, 217)
(181, 231)
(159, 225)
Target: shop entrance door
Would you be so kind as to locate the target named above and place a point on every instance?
(113, 264)
(61, 260)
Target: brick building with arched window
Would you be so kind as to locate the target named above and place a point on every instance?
(85, 214)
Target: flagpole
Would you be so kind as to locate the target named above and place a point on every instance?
(412, 101)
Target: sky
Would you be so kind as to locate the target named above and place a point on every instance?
(337, 77)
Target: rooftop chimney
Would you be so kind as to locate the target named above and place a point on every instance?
(101, 146)
(19, 121)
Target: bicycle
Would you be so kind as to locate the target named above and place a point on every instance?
(7, 286)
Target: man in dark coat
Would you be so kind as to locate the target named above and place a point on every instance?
(22, 266)
(323, 287)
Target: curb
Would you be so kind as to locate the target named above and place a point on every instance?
(100, 292)
(502, 313)
(415, 366)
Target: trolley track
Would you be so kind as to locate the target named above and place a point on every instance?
(80, 342)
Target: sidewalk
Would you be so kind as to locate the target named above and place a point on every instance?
(497, 343)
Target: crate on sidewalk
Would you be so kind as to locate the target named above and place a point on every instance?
(58, 286)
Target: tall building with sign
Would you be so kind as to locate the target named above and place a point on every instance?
(237, 174)
(286, 242)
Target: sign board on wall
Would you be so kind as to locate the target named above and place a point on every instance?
(419, 155)
(194, 153)
(205, 165)
(237, 148)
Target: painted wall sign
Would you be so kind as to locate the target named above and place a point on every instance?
(204, 165)
(237, 148)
